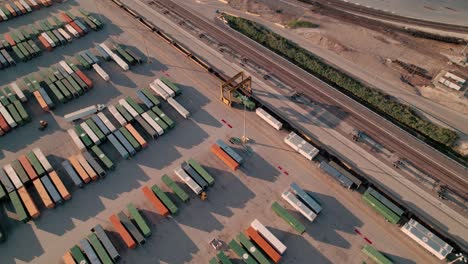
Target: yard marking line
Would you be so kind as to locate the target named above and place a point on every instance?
(229, 126)
(368, 241)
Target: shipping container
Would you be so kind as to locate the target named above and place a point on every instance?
(166, 88)
(3, 124)
(113, 110)
(102, 127)
(125, 55)
(9, 39)
(155, 201)
(72, 30)
(138, 218)
(77, 28)
(18, 206)
(223, 258)
(96, 130)
(134, 105)
(85, 78)
(99, 249)
(90, 133)
(110, 248)
(70, 88)
(74, 84)
(76, 139)
(118, 146)
(78, 255)
(89, 251)
(18, 53)
(79, 169)
(59, 73)
(131, 228)
(129, 108)
(64, 193)
(51, 189)
(91, 56)
(72, 173)
(263, 244)
(388, 214)
(90, 23)
(345, 173)
(175, 188)
(81, 26)
(158, 120)
(3, 62)
(262, 230)
(146, 127)
(42, 159)
(389, 204)
(252, 249)
(95, 21)
(151, 117)
(124, 112)
(230, 162)
(23, 176)
(9, 58)
(58, 36)
(8, 118)
(65, 34)
(86, 57)
(269, 118)
(102, 157)
(60, 97)
(195, 176)
(22, 112)
(46, 98)
(3, 194)
(288, 218)
(106, 122)
(159, 91)
(13, 176)
(101, 72)
(127, 145)
(298, 205)
(180, 109)
(114, 57)
(41, 190)
(9, 187)
(375, 255)
(65, 66)
(23, 3)
(165, 199)
(50, 38)
(171, 85)
(14, 113)
(45, 43)
(28, 203)
(86, 167)
(300, 145)
(241, 253)
(136, 135)
(151, 97)
(306, 198)
(124, 234)
(11, 10)
(232, 153)
(344, 181)
(94, 164)
(103, 53)
(213, 261)
(41, 101)
(68, 258)
(144, 99)
(188, 180)
(27, 167)
(35, 163)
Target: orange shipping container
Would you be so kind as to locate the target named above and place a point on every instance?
(27, 167)
(59, 185)
(41, 101)
(43, 194)
(127, 238)
(263, 244)
(84, 163)
(81, 172)
(45, 43)
(136, 135)
(154, 200)
(224, 157)
(20, 7)
(66, 18)
(28, 202)
(68, 258)
(10, 9)
(34, 5)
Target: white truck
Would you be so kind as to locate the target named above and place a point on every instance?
(84, 112)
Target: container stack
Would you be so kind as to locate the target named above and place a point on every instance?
(228, 155)
(12, 111)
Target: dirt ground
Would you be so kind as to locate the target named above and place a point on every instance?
(371, 49)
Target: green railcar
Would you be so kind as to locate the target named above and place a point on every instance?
(102, 157)
(18, 206)
(286, 216)
(130, 138)
(22, 111)
(165, 199)
(163, 116)
(83, 136)
(200, 170)
(151, 97)
(381, 208)
(175, 188)
(138, 218)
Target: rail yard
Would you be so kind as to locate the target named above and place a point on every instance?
(138, 159)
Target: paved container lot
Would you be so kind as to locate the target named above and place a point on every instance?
(234, 201)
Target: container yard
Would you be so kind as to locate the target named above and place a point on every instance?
(141, 161)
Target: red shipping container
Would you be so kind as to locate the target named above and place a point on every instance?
(224, 157)
(41, 101)
(45, 43)
(127, 238)
(154, 200)
(3, 124)
(77, 28)
(27, 167)
(263, 244)
(9, 39)
(84, 78)
(65, 18)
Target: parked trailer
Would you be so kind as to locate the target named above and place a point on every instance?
(64, 193)
(46, 98)
(128, 146)
(110, 248)
(66, 67)
(159, 91)
(252, 249)
(175, 188)
(375, 255)
(345, 182)
(163, 116)
(102, 157)
(200, 170)
(146, 127)
(300, 145)
(65, 34)
(144, 99)
(428, 240)
(103, 53)
(76, 139)
(71, 172)
(18, 206)
(269, 118)
(188, 180)
(298, 205)
(131, 228)
(241, 253)
(116, 58)
(306, 198)
(68, 258)
(195, 176)
(233, 154)
(134, 105)
(288, 218)
(127, 107)
(230, 162)
(125, 55)
(41, 101)
(7, 56)
(161, 126)
(153, 123)
(79, 169)
(151, 97)
(106, 122)
(263, 244)
(223, 258)
(100, 124)
(19, 92)
(14, 113)
(28, 203)
(78, 255)
(85, 78)
(117, 115)
(155, 201)
(41, 190)
(138, 218)
(8, 118)
(35, 163)
(3, 124)
(124, 234)
(72, 30)
(89, 251)
(165, 199)
(165, 87)
(136, 135)
(90, 133)
(101, 72)
(22, 175)
(171, 85)
(389, 204)
(118, 146)
(91, 56)
(42, 159)
(92, 174)
(124, 112)
(96, 130)
(388, 214)
(51, 189)
(99, 249)
(275, 242)
(9, 187)
(75, 85)
(57, 93)
(27, 167)
(180, 109)
(94, 164)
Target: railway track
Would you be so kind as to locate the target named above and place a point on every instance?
(379, 14)
(422, 155)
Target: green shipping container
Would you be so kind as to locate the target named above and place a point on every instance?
(70, 15)
(35, 163)
(198, 168)
(258, 255)
(163, 116)
(95, 21)
(51, 75)
(18, 53)
(24, 50)
(34, 82)
(70, 88)
(375, 255)
(223, 258)
(14, 113)
(151, 97)
(291, 220)
(3, 99)
(24, 115)
(15, 37)
(78, 255)
(83, 136)
(213, 261)
(34, 30)
(19, 208)
(5, 11)
(135, 106)
(3, 193)
(63, 89)
(124, 112)
(82, 61)
(25, 33)
(57, 93)
(165, 199)
(102, 157)
(16, 165)
(74, 84)
(9, 94)
(29, 49)
(125, 55)
(171, 85)
(246, 257)
(80, 82)
(141, 223)
(175, 188)
(158, 120)
(130, 138)
(96, 130)
(380, 208)
(57, 21)
(99, 249)
(33, 45)
(53, 37)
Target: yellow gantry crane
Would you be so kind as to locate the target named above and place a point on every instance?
(230, 87)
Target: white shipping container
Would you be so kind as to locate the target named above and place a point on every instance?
(19, 92)
(11, 122)
(129, 108)
(165, 87)
(80, 113)
(182, 111)
(153, 123)
(33, 2)
(13, 176)
(188, 180)
(159, 91)
(76, 139)
(90, 133)
(106, 121)
(300, 145)
(122, 121)
(106, 49)
(65, 67)
(269, 118)
(120, 62)
(51, 42)
(28, 8)
(65, 34)
(72, 31)
(454, 77)
(4, 17)
(298, 205)
(42, 159)
(275, 242)
(101, 72)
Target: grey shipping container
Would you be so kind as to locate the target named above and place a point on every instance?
(89, 251)
(148, 129)
(131, 228)
(125, 142)
(99, 170)
(144, 99)
(195, 176)
(51, 189)
(110, 248)
(117, 145)
(338, 176)
(9, 187)
(72, 173)
(101, 124)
